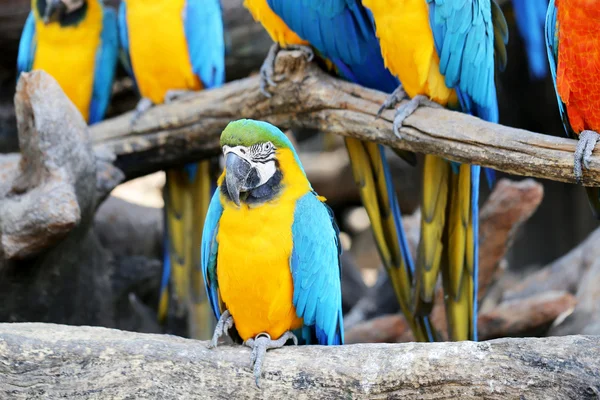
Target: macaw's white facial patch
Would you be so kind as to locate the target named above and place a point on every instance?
(72, 5)
(261, 157)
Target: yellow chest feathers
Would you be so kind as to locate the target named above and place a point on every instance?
(69, 54)
(158, 48)
(407, 47)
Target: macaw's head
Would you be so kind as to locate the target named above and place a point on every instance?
(257, 155)
(65, 12)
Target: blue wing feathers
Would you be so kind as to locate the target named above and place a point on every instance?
(530, 16)
(26, 53)
(315, 266)
(463, 32)
(203, 24)
(209, 253)
(124, 39)
(106, 63)
(341, 30)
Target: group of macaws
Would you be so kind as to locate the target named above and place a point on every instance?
(260, 250)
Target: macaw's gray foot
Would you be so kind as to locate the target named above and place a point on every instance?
(260, 344)
(405, 110)
(175, 94)
(396, 97)
(224, 324)
(142, 106)
(267, 70)
(583, 152)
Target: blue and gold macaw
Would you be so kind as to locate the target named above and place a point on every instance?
(530, 16)
(170, 47)
(341, 32)
(443, 52)
(270, 247)
(76, 42)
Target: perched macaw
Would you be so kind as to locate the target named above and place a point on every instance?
(573, 47)
(443, 53)
(174, 46)
(530, 16)
(270, 247)
(77, 43)
(341, 31)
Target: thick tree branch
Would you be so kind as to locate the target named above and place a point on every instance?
(309, 98)
(57, 361)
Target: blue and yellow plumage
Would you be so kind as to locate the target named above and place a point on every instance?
(342, 32)
(270, 246)
(444, 50)
(78, 48)
(178, 45)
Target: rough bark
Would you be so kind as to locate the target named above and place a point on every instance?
(566, 273)
(309, 98)
(53, 361)
(53, 186)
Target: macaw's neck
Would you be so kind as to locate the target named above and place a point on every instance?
(262, 194)
(69, 19)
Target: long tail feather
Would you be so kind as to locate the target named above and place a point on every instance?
(187, 196)
(436, 181)
(374, 181)
(459, 273)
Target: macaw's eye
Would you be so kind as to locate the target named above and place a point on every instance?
(269, 146)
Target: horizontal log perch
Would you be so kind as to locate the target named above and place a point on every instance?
(59, 361)
(310, 98)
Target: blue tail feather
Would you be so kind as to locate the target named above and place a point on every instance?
(475, 173)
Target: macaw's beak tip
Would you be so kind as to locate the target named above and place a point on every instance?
(54, 11)
(237, 171)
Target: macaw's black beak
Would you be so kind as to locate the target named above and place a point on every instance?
(240, 176)
(55, 9)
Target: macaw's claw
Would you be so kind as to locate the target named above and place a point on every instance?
(260, 344)
(307, 50)
(224, 324)
(405, 110)
(267, 70)
(175, 94)
(583, 152)
(142, 106)
(396, 97)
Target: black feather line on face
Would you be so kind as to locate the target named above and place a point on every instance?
(70, 19)
(265, 192)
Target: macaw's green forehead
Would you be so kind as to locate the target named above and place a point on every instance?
(248, 132)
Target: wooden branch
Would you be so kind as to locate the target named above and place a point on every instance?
(566, 273)
(309, 98)
(57, 361)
